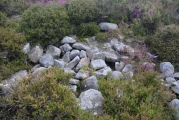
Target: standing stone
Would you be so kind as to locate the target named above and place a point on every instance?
(74, 53)
(35, 54)
(47, 60)
(68, 40)
(80, 46)
(108, 26)
(54, 51)
(91, 100)
(73, 63)
(90, 83)
(98, 64)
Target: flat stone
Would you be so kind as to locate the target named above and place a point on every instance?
(91, 52)
(98, 64)
(68, 40)
(74, 81)
(127, 68)
(103, 72)
(98, 55)
(80, 46)
(69, 71)
(111, 57)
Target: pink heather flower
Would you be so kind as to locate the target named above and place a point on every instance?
(127, 25)
(151, 11)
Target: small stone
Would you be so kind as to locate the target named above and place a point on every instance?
(68, 40)
(66, 47)
(119, 66)
(59, 63)
(73, 63)
(54, 51)
(98, 55)
(74, 53)
(26, 48)
(74, 81)
(35, 54)
(82, 75)
(73, 87)
(66, 57)
(83, 62)
(80, 46)
(108, 26)
(82, 54)
(90, 83)
(116, 75)
(98, 64)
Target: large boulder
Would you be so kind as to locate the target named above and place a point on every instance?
(108, 26)
(35, 54)
(68, 40)
(54, 51)
(98, 64)
(47, 60)
(90, 83)
(91, 100)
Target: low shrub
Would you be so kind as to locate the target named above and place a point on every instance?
(45, 24)
(141, 98)
(165, 43)
(87, 29)
(43, 99)
(3, 19)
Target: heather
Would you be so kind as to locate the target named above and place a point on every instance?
(148, 32)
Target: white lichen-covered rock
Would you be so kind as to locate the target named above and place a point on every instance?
(90, 83)
(108, 26)
(47, 60)
(35, 54)
(26, 48)
(91, 100)
(54, 51)
(98, 64)
(68, 40)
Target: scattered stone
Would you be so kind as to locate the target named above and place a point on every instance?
(83, 62)
(91, 100)
(65, 48)
(26, 48)
(90, 83)
(175, 87)
(82, 75)
(174, 104)
(119, 66)
(114, 41)
(69, 71)
(98, 55)
(166, 66)
(176, 75)
(170, 80)
(103, 72)
(47, 60)
(122, 48)
(35, 54)
(74, 81)
(98, 64)
(54, 51)
(73, 63)
(82, 54)
(127, 68)
(111, 57)
(66, 57)
(73, 87)
(128, 75)
(91, 52)
(108, 26)
(68, 40)
(80, 46)
(38, 71)
(35, 67)
(59, 63)
(74, 53)
(116, 75)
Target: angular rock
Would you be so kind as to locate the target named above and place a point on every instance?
(74, 53)
(176, 75)
(103, 72)
(65, 48)
(119, 66)
(98, 55)
(66, 57)
(54, 51)
(74, 81)
(38, 71)
(73, 63)
(170, 80)
(111, 57)
(46, 60)
(98, 64)
(127, 68)
(35, 54)
(73, 87)
(91, 100)
(26, 48)
(108, 47)
(69, 71)
(174, 105)
(175, 87)
(91, 52)
(108, 26)
(166, 66)
(122, 48)
(82, 75)
(83, 62)
(116, 75)
(82, 54)
(59, 63)
(68, 40)
(80, 46)
(114, 41)
(90, 83)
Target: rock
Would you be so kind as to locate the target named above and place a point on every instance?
(66, 57)
(74, 81)
(91, 52)
(166, 66)
(54, 51)
(114, 41)
(108, 26)
(176, 75)
(68, 40)
(35, 67)
(73, 63)
(167, 74)
(69, 71)
(127, 68)
(59, 63)
(103, 72)
(116, 75)
(26, 48)
(119, 66)
(91, 100)
(108, 47)
(80, 46)
(175, 87)
(122, 48)
(128, 75)
(98, 55)
(83, 62)
(65, 48)
(35, 54)
(170, 80)
(148, 66)
(74, 53)
(98, 64)
(47, 60)
(82, 75)
(73, 87)
(111, 57)
(38, 71)
(82, 54)
(90, 83)
(174, 105)
(121, 38)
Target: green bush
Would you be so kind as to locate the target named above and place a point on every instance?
(165, 43)
(45, 99)
(82, 11)
(3, 19)
(142, 98)
(45, 24)
(87, 29)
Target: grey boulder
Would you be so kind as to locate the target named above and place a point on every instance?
(26, 48)
(59, 63)
(74, 53)
(54, 51)
(90, 83)
(73, 63)
(174, 105)
(46, 60)
(80, 46)
(68, 40)
(98, 64)
(35, 54)
(108, 26)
